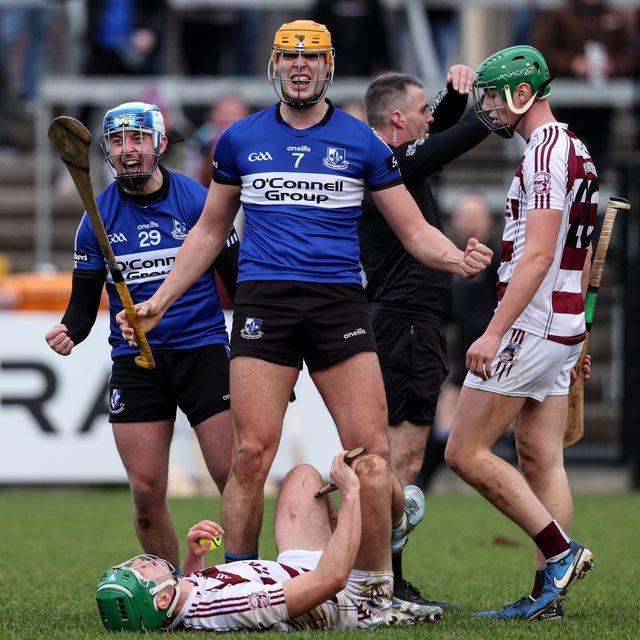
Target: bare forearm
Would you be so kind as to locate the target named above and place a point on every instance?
(202, 245)
(342, 548)
(433, 249)
(197, 253)
(304, 592)
(525, 281)
(192, 563)
(586, 271)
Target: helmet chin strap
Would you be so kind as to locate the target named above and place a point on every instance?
(524, 108)
(507, 132)
(299, 104)
(132, 181)
(159, 587)
(536, 96)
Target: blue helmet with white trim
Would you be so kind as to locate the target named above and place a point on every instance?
(144, 118)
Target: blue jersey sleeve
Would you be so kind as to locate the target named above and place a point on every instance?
(383, 170)
(192, 197)
(225, 170)
(87, 254)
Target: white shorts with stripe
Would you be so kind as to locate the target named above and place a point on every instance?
(529, 366)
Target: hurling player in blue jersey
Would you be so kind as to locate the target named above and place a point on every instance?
(299, 169)
(148, 212)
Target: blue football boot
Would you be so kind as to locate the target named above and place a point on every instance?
(519, 609)
(558, 577)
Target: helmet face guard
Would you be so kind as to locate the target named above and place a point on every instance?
(486, 106)
(127, 601)
(500, 74)
(302, 39)
(133, 116)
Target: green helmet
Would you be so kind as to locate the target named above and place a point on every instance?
(504, 71)
(127, 601)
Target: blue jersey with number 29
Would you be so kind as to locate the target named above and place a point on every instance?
(145, 241)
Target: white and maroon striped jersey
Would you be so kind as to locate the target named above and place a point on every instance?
(555, 172)
(248, 595)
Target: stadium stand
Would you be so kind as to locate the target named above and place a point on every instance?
(39, 212)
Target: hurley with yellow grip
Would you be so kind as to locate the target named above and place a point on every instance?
(72, 140)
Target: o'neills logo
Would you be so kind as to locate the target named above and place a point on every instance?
(280, 189)
(352, 334)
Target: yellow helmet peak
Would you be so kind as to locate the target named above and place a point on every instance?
(302, 35)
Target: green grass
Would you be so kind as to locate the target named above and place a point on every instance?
(54, 545)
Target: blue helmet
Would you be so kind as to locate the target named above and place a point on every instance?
(133, 116)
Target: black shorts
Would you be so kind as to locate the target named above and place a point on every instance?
(286, 322)
(196, 380)
(413, 358)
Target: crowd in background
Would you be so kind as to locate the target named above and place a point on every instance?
(151, 38)
(585, 39)
(589, 40)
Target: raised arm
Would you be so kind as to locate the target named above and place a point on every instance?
(194, 556)
(307, 591)
(424, 242)
(195, 256)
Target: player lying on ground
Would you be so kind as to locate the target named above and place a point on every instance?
(324, 577)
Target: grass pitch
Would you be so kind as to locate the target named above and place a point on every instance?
(54, 545)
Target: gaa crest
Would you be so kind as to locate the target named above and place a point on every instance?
(258, 600)
(335, 158)
(124, 120)
(179, 231)
(115, 402)
(541, 182)
(510, 354)
(252, 329)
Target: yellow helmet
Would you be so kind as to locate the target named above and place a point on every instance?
(304, 37)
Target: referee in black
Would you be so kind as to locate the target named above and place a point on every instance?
(410, 304)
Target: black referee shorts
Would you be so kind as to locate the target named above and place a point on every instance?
(286, 322)
(196, 380)
(413, 358)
